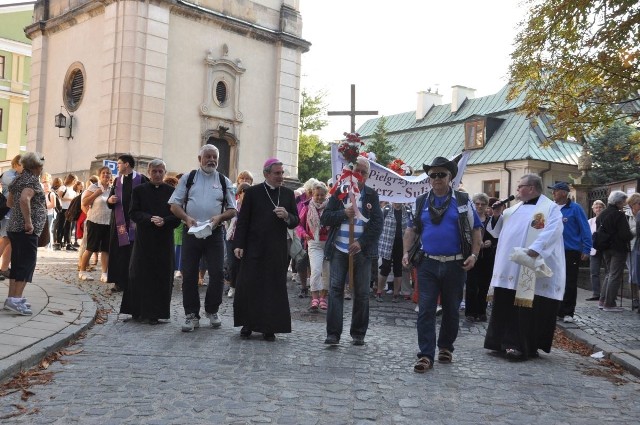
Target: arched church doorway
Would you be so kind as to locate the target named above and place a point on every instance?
(224, 157)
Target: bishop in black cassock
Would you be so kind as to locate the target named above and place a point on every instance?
(261, 303)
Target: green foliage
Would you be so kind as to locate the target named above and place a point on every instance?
(581, 61)
(616, 154)
(311, 111)
(380, 144)
(314, 156)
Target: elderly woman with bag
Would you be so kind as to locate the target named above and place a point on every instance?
(28, 217)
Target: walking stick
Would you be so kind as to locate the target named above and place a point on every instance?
(351, 240)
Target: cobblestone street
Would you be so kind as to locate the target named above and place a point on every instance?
(129, 372)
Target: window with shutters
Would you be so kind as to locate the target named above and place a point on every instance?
(74, 87)
(2, 61)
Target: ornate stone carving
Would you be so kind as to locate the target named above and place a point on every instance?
(222, 92)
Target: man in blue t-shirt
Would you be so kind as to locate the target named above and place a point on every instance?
(449, 228)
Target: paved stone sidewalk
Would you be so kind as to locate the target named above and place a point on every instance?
(61, 311)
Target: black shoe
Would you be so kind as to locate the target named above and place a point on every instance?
(71, 248)
(245, 332)
(269, 337)
(358, 340)
(153, 321)
(76, 244)
(332, 340)
(56, 247)
(594, 298)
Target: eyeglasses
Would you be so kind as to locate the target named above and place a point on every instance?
(520, 186)
(440, 175)
(277, 173)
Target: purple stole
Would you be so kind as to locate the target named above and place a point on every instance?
(125, 234)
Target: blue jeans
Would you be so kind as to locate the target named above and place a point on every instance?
(446, 280)
(339, 270)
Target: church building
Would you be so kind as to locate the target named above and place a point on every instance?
(160, 78)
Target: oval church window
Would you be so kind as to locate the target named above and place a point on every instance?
(221, 93)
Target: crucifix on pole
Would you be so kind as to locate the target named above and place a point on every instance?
(352, 113)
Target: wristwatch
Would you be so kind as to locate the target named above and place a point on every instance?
(474, 256)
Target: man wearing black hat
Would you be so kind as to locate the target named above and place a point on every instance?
(577, 246)
(449, 229)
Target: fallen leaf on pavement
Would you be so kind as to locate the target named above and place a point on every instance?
(58, 312)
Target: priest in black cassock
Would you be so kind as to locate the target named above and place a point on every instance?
(148, 296)
(122, 229)
(261, 303)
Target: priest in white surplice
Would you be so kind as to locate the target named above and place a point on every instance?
(526, 298)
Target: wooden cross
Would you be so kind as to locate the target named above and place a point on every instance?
(352, 113)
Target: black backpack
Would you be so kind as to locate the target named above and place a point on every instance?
(74, 210)
(191, 178)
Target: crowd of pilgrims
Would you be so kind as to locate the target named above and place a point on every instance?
(82, 218)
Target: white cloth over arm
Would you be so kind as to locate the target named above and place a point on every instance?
(549, 244)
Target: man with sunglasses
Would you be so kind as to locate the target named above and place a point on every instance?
(449, 229)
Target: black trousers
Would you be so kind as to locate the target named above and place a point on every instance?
(212, 250)
(568, 304)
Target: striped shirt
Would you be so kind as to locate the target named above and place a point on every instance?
(342, 237)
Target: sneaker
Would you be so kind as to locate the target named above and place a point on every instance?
(358, 340)
(332, 340)
(71, 248)
(439, 310)
(567, 319)
(613, 309)
(17, 307)
(389, 291)
(104, 278)
(84, 276)
(231, 293)
(462, 306)
(177, 274)
(25, 302)
(347, 295)
(56, 247)
(417, 309)
(378, 297)
(191, 322)
(601, 305)
(214, 320)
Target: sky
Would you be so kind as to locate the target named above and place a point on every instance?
(393, 49)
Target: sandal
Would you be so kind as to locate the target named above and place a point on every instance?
(445, 356)
(422, 365)
(314, 304)
(323, 304)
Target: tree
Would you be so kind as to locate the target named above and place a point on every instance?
(380, 144)
(615, 154)
(580, 60)
(311, 109)
(314, 156)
